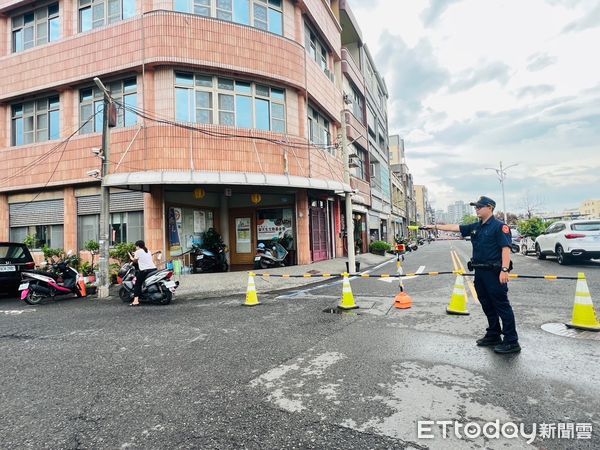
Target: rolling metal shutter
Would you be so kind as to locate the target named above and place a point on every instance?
(121, 202)
(48, 212)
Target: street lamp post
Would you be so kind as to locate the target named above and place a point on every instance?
(501, 172)
(103, 279)
(348, 199)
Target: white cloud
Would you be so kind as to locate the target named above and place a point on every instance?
(473, 83)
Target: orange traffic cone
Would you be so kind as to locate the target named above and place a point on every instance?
(403, 301)
(82, 287)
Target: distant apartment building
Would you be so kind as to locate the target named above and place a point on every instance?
(457, 211)
(228, 115)
(590, 209)
(424, 213)
(407, 206)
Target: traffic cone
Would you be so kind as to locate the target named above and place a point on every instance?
(584, 315)
(347, 297)
(251, 297)
(402, 299)
(458, 301)
(82, 287)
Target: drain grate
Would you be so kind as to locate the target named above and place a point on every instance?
(560, 329)
(337, 310)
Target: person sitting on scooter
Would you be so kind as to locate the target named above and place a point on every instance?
(145, 265)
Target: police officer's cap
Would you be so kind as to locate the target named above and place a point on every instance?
(484, 201)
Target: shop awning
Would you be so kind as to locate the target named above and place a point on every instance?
(142, 180)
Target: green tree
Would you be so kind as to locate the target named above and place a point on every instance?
(532, 227)
(94, 248)
(121, 252)
(468, 219)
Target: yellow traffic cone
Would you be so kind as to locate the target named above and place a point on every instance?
(251, 297)
(584, 315)
(458, 301)
(347, 297)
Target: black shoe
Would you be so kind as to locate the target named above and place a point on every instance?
(489, 341)
(508, 348)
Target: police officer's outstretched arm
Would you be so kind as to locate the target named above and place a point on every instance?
(445, 227)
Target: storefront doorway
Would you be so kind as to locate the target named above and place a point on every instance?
(318, 230)
(242, 226)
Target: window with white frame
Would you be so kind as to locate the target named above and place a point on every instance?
(91, 101)
(319, 128)
(97, 13)
(45, 235)
(35, 121)
(216, 100)
(317, 50)
(264, 14)
(36, 27)
(124, 227)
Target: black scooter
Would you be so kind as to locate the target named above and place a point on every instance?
(204, 260)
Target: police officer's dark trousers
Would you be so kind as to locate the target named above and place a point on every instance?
(493, 297)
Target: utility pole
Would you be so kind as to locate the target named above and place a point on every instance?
(104, 241)
(349, 221)
(501, 172)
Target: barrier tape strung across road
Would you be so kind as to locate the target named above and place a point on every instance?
(386, 275)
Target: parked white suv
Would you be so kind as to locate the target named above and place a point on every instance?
(570, 240)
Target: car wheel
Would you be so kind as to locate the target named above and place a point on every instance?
(523, 249)
(561, 257)
(538, 252)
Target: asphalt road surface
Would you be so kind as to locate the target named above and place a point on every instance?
(284, 374)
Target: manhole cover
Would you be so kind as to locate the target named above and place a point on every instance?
(561, 329)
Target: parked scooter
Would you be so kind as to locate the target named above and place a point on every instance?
(266, 258)
(158, 286)
(60, 279)
(204, 260)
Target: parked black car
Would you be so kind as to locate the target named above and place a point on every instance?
(14, 258)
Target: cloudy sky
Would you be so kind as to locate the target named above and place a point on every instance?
(475, 82)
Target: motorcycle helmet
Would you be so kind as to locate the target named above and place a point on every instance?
(261, 246)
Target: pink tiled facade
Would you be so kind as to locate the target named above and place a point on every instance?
(150, 48)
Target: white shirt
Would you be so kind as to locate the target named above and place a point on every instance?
(144, 259)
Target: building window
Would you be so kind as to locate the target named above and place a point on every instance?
(263, 14)
(36, 27)
(91, 101)
(124, 227)
(45, 235)
(357, 105)
(213, 100)
(360, 168)
(319, 128)
(97, 13)
(36, 121)
(317, 50)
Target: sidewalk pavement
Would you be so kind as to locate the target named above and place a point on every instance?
(230, 283)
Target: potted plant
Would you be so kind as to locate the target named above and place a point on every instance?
(94, 248)
(120, 253)
(380, 247)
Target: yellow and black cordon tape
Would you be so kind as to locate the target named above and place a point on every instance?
(404, 275)
(584, 315)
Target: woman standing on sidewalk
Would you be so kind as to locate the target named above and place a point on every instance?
(145, 265)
